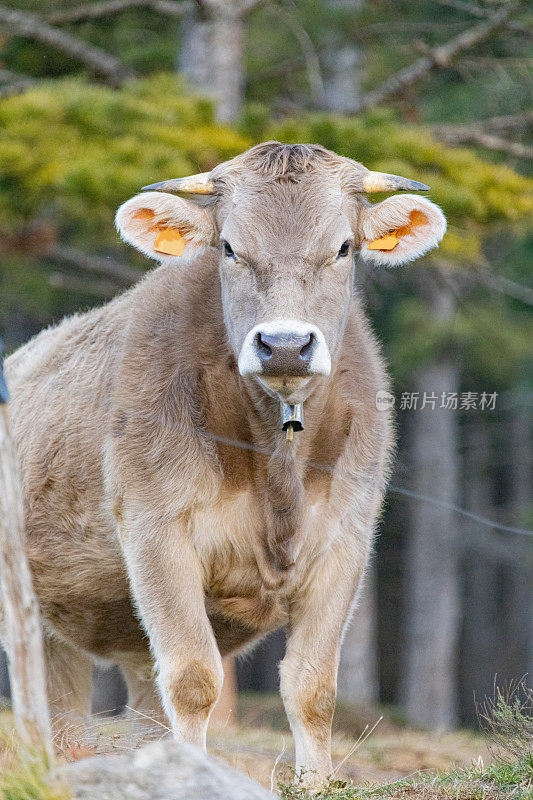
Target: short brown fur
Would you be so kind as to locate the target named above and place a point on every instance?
(317, 708)
(194, 690)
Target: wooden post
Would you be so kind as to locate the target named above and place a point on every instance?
(21, 613)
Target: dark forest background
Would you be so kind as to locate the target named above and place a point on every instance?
(100, 98)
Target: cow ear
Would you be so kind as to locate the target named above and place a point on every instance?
(164, 226)
(400, 229)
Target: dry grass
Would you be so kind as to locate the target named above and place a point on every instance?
(506, 775)
(24, 775)
(391, 752)
(393, 762)
(507, 719)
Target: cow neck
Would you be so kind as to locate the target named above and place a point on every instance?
(280, 469)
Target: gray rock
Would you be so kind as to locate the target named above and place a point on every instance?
(160, 771)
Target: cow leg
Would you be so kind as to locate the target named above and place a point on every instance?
(69, 684)
(166, 579)
(144, 698)
(309, 670)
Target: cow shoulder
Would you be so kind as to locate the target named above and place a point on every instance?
(169, 372)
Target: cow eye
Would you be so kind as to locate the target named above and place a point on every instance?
(345, 249)
(228, 250)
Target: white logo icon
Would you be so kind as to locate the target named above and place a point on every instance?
(384, 400)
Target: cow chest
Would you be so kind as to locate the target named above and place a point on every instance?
(228, 537)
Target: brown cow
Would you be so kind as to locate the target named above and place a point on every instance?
(170, 517)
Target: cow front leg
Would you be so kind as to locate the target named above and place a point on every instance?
(309, 670)
(166, 580)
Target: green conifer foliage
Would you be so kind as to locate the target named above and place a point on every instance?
(72, 151)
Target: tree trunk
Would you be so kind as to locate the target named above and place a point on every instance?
(521, 460)
(5, 692)
(358, 668)
(520, 454)
(110, 693)
(211, 56)
(259, 671)
(432, 602)
(342, 88)
(342, 65)
(480, 635)
(21, 612)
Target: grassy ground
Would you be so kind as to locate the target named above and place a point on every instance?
(374, 754)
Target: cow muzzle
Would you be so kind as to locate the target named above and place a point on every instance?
(284, 355)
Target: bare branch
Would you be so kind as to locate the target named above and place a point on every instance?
(98, 288)
(522, 121)
(30, 26)
(228, 7)
(404, 26)
(275, 70)
(438, 58)
(12, 83)
(475, 134)
(482, 13)
(6, 76)
(108, 8)
(505, 286)
(121, 274)
(170, 8)
(88, 11)
(312, 63)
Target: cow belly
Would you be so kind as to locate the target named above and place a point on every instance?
(83, 589)
(83, 592)
(231, 635)
(102, 629)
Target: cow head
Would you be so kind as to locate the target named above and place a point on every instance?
(288, 222)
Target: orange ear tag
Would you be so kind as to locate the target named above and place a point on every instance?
(170, 242)
(388, 242)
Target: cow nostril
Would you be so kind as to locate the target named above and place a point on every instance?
(263, 350)
(285, 353)
(307, 350)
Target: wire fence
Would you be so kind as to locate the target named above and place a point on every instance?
(392, 488)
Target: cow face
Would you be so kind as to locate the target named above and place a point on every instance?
(287, 268)
(288, 221)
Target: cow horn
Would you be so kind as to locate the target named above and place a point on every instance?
(194, 184)
(383, 182)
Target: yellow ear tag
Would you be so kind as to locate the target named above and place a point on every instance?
(170, 242)
(388, 242)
